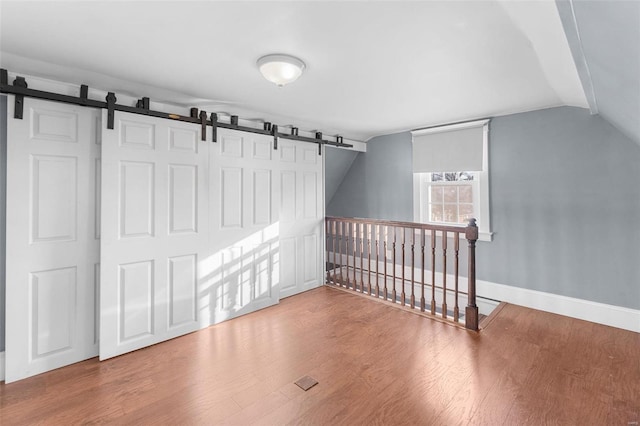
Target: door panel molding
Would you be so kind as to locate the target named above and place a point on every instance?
(52, 247)
(154, 231)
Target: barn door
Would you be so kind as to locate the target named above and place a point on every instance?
(52, 237)
(154, 231)
(301, 217)
(244, 210)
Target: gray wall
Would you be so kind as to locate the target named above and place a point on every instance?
(3, 197)
(565, 203)
(379, 183)
(337, 162)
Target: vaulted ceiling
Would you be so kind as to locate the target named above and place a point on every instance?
(372, 67)
(604, 37)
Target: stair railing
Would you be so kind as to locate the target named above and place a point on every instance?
(399, 262)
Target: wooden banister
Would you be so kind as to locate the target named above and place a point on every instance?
(471, 314)
(365, 236)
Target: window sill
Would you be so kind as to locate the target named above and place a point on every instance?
(482, 235)
(485, 236)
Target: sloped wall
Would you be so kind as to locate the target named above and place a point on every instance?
(337, 162)
(604, 37)
(379, 182)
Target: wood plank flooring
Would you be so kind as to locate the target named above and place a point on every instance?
(375, 364)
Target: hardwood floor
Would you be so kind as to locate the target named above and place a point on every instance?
(375, 365)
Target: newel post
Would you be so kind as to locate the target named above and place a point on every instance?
(471, 312)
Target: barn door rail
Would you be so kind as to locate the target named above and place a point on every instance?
(20, 89)
(412, 264)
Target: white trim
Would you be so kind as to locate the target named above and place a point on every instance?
(449, 127)
(484, 226)
(485, 236)
(483, 216)
(2, 363)
(601, 313)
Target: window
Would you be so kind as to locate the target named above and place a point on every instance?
(451, 179)
(448, 198)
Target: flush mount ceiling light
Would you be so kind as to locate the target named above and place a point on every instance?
(280, 69)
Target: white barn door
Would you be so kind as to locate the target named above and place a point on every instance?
(52, 237)
(301, 217)
(154, 231)
(244, 211)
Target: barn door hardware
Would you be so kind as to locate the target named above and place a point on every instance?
(274, 132)
(214, 127)
(84, 93)
(319, 137)
(19, 106)
(20, 89)
(111, 105)
(143, 104)
(203, 125)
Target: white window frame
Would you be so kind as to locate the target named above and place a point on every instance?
(425, 190)
(483, 219)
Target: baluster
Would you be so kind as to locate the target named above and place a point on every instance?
(377, 235)
(393, 292)
(350, 257)
(338, 255)
(346, 251)
(404, 231)
(364, 225)
(341, 246)
(355, 228)
(444, 274)
(433, 272)
(384, 243)
(336, 247)
(456, 246)
(369, 231)
(334, 228)
(413, 281)
(347, 236)
(422, 301)
(327, 233)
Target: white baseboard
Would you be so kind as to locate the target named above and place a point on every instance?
(2, 366)
(601, 313)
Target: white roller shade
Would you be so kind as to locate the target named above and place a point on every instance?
(449, 148)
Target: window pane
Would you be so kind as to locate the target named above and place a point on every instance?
(450, 213)
(436, 212)
(436, 177)
(450, 194)
(436, 193)
(465, 176)
(465, 212)
(466, 193)
(451, 177)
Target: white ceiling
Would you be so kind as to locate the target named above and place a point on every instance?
(372, 67)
